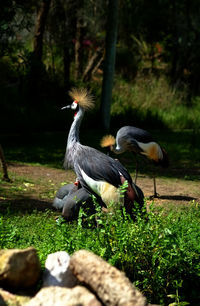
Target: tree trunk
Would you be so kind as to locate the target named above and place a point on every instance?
(78, 50)
(109, 64)
(36, 65)
(175, 54)
(4, 165)
(97, 65)
(66, 61)
(39, 28)
(92, 63)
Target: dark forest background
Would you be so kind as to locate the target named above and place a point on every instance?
(49, 46)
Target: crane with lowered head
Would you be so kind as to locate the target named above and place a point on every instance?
(69, 199)
(138, 141)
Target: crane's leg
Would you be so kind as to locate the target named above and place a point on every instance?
(136, 168)
(154, 187)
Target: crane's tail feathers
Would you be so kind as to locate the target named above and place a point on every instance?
(83, 97)
(139, 194)
(133, 193)
(165, 160)
(107, 141)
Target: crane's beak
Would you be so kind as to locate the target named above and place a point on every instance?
(67, 106)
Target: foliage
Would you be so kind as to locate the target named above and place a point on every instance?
(153, 102)
(7, 233)
(172, 25)
(157, 52)
(16, 21)
(159, 253)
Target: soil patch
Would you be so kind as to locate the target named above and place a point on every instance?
(40, 183)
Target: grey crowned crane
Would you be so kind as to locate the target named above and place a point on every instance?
(97, 172)
(139, 141)
(69, 198)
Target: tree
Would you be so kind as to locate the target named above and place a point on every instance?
(37, 68)
(109, 63)
(39, 28)
(59, 37)
(78, 40)
(15, 16)
(89, 42)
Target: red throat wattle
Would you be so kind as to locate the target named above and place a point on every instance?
(75, 101)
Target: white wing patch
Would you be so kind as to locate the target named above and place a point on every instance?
(105, 190)
(94, 185)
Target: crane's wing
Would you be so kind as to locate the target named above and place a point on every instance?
(101, 175)
(99, 167)
(132, 133)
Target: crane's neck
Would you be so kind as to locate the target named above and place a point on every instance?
(73, 139)
(73, 135)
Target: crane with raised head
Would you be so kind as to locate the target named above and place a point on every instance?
(97, 172)
(138, 141)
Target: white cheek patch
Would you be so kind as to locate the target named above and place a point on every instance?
(74, 105)
(117, 147)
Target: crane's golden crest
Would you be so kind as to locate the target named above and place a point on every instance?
(83, 97)
(107, 141)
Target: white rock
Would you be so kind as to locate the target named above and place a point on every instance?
(57, 271)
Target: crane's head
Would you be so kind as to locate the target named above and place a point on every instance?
(107, 141)
(81, 98)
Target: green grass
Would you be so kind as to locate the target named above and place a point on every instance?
(159, 253)
(153, 103)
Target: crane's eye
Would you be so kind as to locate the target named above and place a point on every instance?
(74, 105)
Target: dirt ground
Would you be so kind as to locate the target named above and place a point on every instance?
(46, 181)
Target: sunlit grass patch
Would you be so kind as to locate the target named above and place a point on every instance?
(158, 252)
(154, 100)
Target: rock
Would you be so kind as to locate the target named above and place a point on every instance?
(19, 268)
(57, 271)
(7, 298)
(59, 296)
(109, 284)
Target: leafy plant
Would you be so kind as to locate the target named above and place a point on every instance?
(157, 252)
(7, 233)
(176, 297)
